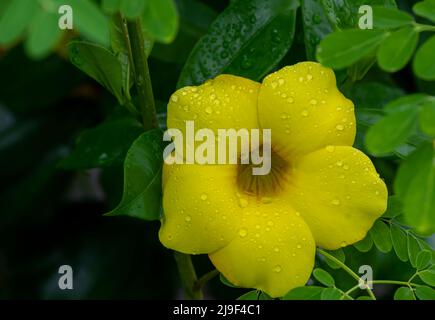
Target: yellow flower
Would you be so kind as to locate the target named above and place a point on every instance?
(320, 191)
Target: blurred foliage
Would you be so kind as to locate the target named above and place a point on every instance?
(69, 121)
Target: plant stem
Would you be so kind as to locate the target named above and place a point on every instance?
(188, 276)
(142, 75)
(345, 268)
(402, 283)
(206, 278)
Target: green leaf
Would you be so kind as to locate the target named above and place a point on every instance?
(397, 49)
(103, 66)
(44, 34)
(251, 295)
(160, 19)
(143, 178)
(425, 293)
(323, 277)
(111, 6)
(339, 254)
(248, 39)
(132, 9)
(411, 101)
(390, 18)
(365, 244)
(304, 293)
(400, 242)
(391, 131)
(394, 207)
(423, 260)
(427, 118)
(413, 249)
(331, 294)
(425, 9)
(428, 276)
(343, 48)
(404, 293)
(105, 145)
(424, 64)
(380, 234)
(15, 18)
(417, 188)
(226, 282)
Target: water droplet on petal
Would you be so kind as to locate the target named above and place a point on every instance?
(339, 163)
(304, 113)
(274, 84)
(330, 148)
(343, 244)
(313, 101)
(339, 127)
(277, 268)
(174, 98)
(208, 110)
(243, 233)
(187, 218)
(203, 197)
(336, 202)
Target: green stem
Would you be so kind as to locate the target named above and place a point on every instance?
(423, 27)
(345, 268)
(206, 278)
(142, 75)
(402, 283)
(188, 276)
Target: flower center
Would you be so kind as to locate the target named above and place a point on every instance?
(263, 185)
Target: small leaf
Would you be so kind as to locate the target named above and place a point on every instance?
(251, 295)
(400, 242)
(160, 20)
(323, 277)
(391, 131)
(341, 49)
(394, 207)
(423, 259)
(413, 249)
(404, 293)
(427, 118)
(408, 102)
(304, 293)
(380, 234)
(419, 193)
(331, 294)
(103, 66)
(143, 178)
(424, 64)
(397, 49)
(390, 18)
(365, 244)
(425, 293)
(428, 276)
(339, 254)
(425, 9)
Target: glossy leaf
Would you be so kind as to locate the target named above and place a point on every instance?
(343, 48)
(304, 293)
(397, 49)
(331, 294)
(247, 39)
(323, 277)
(423, 259)
(424, 64)
(380, 234)
(104, 145)
(414, 249)
(428, 276)
(339, 254)
(142, 178)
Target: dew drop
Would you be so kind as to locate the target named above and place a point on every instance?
(276, 249)
(336, 202)
(309, 76)
(203, 197)
(330, 148)
(270, 223)
(188, 219)
(339, 163)
(208, 110)
(313, 101)
(274, 84)
(343, 244)
(298, 246)
(339, 127)
(243, 233)
(277, 268)
(304, 113)
(290, 100)
(174, 98)
(298, 214)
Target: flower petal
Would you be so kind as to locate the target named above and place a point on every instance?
(200, 207)
(305, 110)
(225, 102)
(338, 193)
(273, 251)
